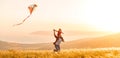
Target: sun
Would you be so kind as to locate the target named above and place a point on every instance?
(103, 15)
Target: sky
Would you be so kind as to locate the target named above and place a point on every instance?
(77, 18)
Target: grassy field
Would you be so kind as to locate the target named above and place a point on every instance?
(71, 53)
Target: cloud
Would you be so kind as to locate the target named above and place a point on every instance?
(68, 33)
(84, 33)
(43, 33)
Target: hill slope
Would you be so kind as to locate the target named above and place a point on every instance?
(9, 45)
(100, 42)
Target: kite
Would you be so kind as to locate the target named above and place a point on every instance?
(31, 8)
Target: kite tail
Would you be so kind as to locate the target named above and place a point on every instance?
(26, 18)
(22, 21)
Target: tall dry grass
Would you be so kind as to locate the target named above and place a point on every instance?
(70, 53)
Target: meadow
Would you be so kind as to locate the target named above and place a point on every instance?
(65, 53)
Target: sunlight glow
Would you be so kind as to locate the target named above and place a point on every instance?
(105, 16)
(75, 15)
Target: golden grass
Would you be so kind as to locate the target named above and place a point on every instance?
(71, 53)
